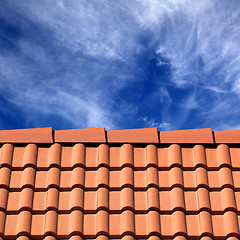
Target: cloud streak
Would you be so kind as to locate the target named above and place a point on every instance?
(171, 64)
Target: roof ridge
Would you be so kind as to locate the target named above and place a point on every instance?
(100, 135)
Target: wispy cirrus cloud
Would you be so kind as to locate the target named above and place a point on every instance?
(171, 64)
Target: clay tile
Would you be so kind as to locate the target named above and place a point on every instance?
(153, 221)
(203, 198)
(176, 176)
(54, 176)
(51, 218)
(75, 223)
(126, 198)
(152, 155)
(78, 154)
(102, 221)
(24, 222)
(153, 198)
(102, 197)
(225, 176)
(179, 222)
(4, 199)
(30, 155)
(7, 154)
(228, 199)
(187, 136)
(34, 135)
(205, 222)
(76, 198)
(26, 198)
(96, 135)
(230, 136)
(127, 221)
(144, 135)
(223, 155)
(78, 176)
(103, 154)
(127, 176)
(54, 156)
(201, 177)
(126, 155)
(52, 198)
(28, 176)
(103, 176)
(177, 198)
(230, 223)
(175, 155)
(152, 176)
(5, 174)
(199, 155)
(2, 221)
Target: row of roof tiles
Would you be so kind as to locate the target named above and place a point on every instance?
(114, 157)
(99, 135)
(119, 179)
(125, 237)
(164, 202)
(120, 224)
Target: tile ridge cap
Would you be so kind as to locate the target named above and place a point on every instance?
(227, 136)
(27, 135)
(81, 135)
(136, 135)
(199, 135)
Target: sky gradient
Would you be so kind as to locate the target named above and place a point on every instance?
(171, 64)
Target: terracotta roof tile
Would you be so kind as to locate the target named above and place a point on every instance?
(204, 135)
(35, 135)
(81, 135)
(230, 136)
(119, 191)
(144, 135)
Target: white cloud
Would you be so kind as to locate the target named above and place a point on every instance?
(200, 36)
(91, 40)
(91, 57)
(154, 123)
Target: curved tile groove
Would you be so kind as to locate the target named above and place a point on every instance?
(7, 154)
(199, 156)
(174, 155)
(223, 155)
(78, 155)
(231, 225)
(179, 225)
(151, 155)
(126, 155)
(205, 220)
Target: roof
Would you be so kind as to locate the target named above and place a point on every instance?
(124, 184)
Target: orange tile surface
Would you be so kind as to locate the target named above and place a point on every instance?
(96, 135)
(144, 135)
(231, 136)
(124, 190)
(204, 135)
(35, 135)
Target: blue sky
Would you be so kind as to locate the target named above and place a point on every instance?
(171, 64)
